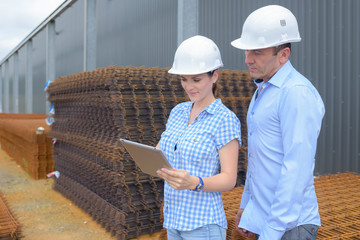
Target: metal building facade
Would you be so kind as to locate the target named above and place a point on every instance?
(328, 55)
(86, 34)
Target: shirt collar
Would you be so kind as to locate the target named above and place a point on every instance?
(211, 108)
(279, 77)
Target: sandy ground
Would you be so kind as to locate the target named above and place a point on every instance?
(43, 212)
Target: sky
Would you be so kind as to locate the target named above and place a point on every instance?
(18, 18)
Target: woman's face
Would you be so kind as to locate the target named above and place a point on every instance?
(199, 87)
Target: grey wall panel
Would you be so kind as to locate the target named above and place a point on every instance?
(328, 55)
(39, 72)
(69, 48)
(144, 33)
(354, 96)
(5, 85)
(136, 32)
(2, 66)
(10, 77)
(22, 72)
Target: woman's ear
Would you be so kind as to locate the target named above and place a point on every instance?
(215, 76)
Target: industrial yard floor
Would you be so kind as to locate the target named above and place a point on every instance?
(44, 213)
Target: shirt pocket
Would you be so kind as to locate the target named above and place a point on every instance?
(199, 150)
(167, 142)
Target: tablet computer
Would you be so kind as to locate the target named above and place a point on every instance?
(149, 159)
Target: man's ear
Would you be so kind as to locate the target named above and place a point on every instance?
(284, 55)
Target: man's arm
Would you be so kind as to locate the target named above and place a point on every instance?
(300, 121)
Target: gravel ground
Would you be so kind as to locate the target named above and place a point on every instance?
(44, 213)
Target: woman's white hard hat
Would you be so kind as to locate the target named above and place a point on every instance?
(196, 55)
(268, 26)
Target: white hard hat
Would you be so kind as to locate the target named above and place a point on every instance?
(268, 26)
(196, 55)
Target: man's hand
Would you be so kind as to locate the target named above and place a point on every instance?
(242, 231)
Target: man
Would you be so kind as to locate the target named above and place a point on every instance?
(284, 121)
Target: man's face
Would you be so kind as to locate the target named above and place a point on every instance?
(262, 63)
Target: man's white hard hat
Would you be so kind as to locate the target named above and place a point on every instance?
(268, 26)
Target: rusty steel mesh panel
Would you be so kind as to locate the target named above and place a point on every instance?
(339, 206)
(93, 110)
(32, 151)
(9, 227)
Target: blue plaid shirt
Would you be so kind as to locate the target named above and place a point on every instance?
(195, 148)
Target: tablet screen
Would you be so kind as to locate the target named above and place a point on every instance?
(149, 159)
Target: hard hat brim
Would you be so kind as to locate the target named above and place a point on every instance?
(238, 43)
(188, 72)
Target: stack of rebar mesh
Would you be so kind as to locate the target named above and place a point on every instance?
(93, 110)
(339, 207)
(235, 88)
(24, 138)
(9, 227)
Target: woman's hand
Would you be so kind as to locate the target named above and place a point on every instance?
(178, 179)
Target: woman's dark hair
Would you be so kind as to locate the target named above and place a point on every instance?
(210, 74)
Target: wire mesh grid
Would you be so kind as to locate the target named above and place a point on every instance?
(338, 198)
(31, 149)
(93, 110)
(10, 229)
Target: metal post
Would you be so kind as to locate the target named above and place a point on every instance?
(16, 84)
(6, 88)
(188, 19)
(50, 56)
(29, 79)
(90, 35)
(1, 90)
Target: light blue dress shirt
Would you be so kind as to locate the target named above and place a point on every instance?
(195, 148)
(283, 124)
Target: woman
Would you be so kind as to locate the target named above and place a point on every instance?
(202, 136)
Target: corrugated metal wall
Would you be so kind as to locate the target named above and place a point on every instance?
(140, 33)
(69, 43)
(329, 55)
(22, 86)
(145, 33)
(39, 71)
